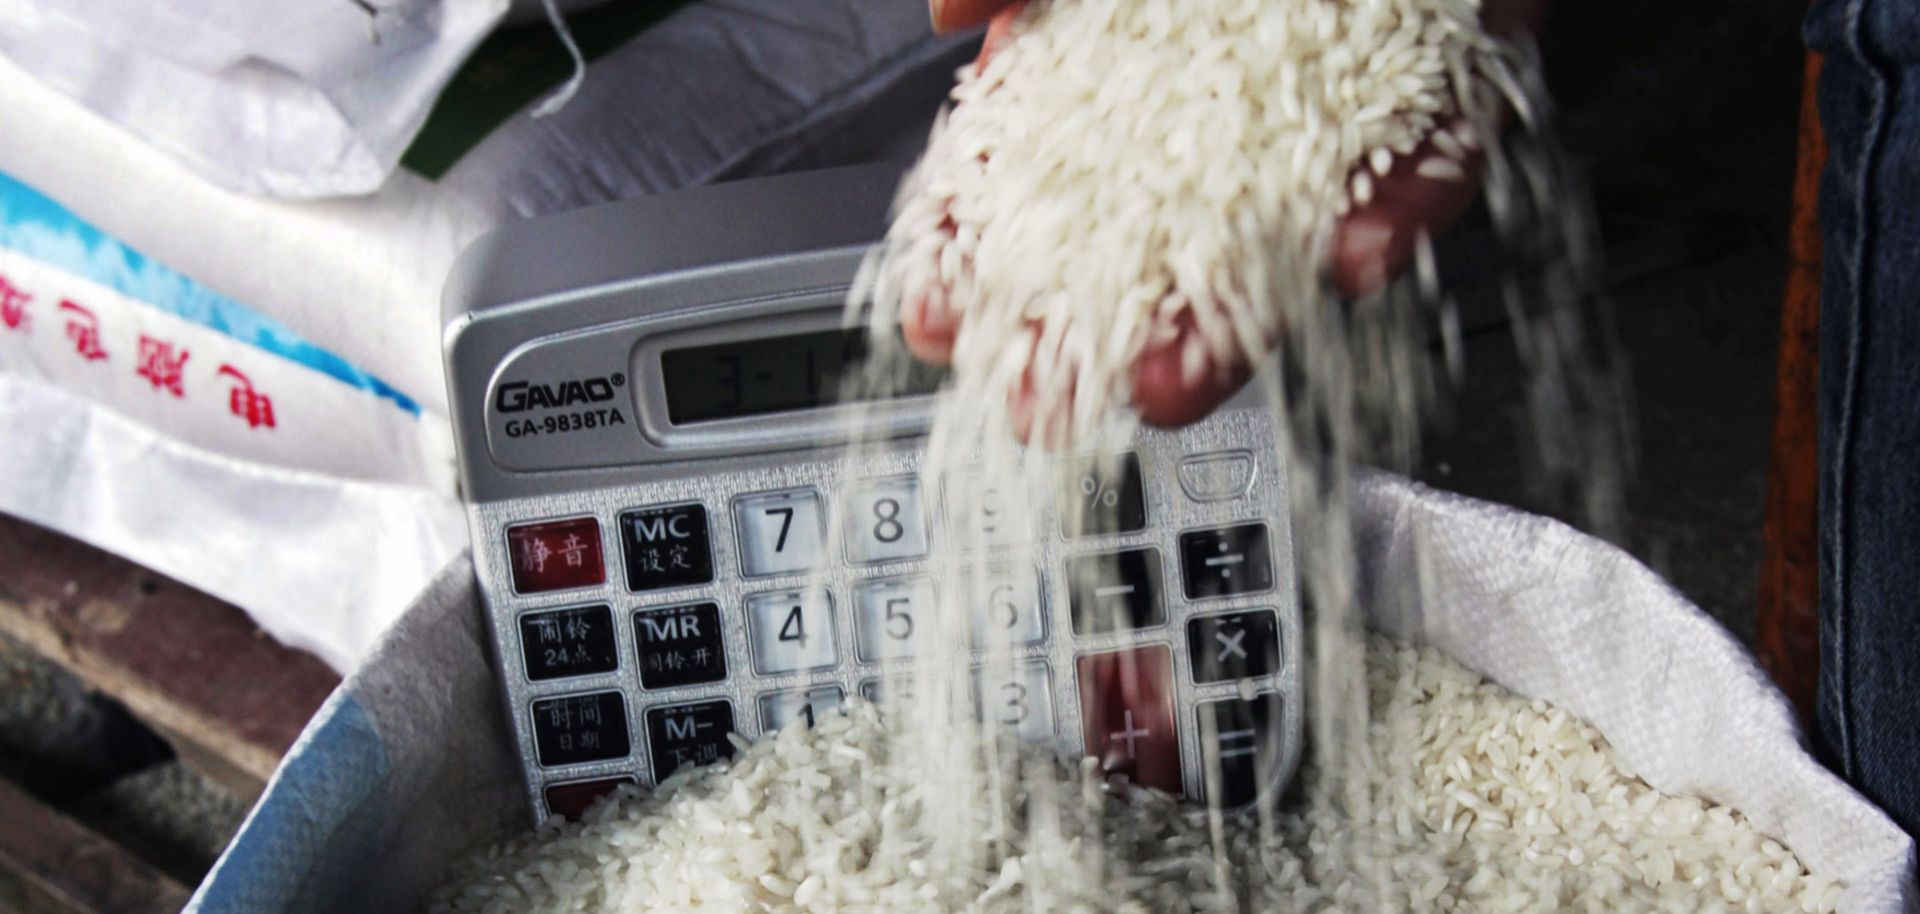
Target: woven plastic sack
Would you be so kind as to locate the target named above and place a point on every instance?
(408, 763)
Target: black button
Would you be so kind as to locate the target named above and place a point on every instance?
(694, 734)
(1231, 560)
(568, 642)
(1104, 499)
(1234, 646)
(666, 547)
(580, 728)
(1239, 748)
(680, 646)
(1115, 591)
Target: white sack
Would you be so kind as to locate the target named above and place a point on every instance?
(409, 761)
(287, 98)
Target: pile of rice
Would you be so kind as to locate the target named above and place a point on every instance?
(1468, 798)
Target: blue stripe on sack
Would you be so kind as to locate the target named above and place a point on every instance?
(33, 224)
(308, 845)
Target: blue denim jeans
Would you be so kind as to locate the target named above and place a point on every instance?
(1869, 703)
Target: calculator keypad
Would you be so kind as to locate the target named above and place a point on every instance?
(780, 532)
(1150, 625)
(791, 630)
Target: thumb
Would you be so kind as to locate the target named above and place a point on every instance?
(954, 15)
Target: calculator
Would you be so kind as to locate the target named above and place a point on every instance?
(673, 543)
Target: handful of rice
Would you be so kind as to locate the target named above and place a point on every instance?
(1122, 166)
(1471, 799)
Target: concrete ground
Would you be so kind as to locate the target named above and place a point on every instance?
(1682, 115)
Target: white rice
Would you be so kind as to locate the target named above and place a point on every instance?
(1120, 162)
(1479, 801)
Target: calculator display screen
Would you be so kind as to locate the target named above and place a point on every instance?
(778, 374)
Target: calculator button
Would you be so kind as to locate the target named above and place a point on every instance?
(888, 614)
(1103, 497)
(885, 520)
(1216, 477)
(778, 709)
(580, 728)
(888, 689)
(568, 642)
(573, 799)
(1009, 611)
(1227, 561)
(780, 532)
(1115, 591)
(983, 512)
(1239, 744)
(680, 645)
(1234, 646)
(666, 547)
(791, 631)
(558, 555)
(1020, 697)
(694, 734)
(1126, 714)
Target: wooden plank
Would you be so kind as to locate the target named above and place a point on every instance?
(1787, 617)
(230, 699)
(50, 864)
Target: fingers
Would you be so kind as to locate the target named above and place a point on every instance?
(1180, 382)
(1375, 240)
(954, 15)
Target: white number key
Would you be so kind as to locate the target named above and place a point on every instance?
(779, 532)
(1019, 696)
(888, 614)
(884, 521)
(986, 513)
(778, 709)
(791, 631)
(1006, 608)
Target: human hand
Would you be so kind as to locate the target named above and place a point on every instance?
(1371, 244)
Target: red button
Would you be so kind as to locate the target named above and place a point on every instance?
(556, 555)
(573, 800)
(1126, 715)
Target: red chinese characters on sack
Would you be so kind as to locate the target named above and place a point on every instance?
(245, 402)
(83, 328)
(13, 306)
(161, 367)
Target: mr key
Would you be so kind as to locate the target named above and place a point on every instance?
(718, 562)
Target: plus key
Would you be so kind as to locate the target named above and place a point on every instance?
(1126, 708)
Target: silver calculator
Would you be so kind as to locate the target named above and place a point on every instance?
(673, 543)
